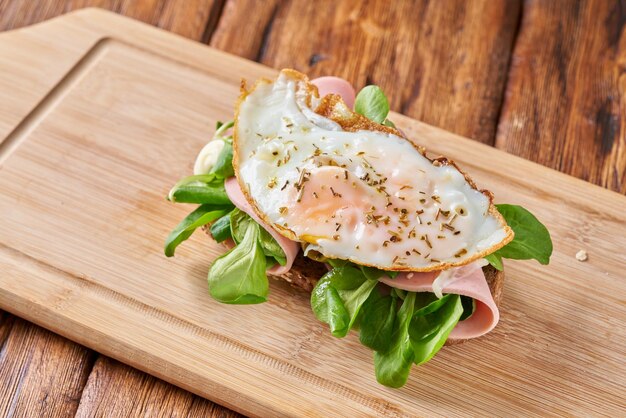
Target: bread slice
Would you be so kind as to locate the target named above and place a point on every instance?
(305, 273)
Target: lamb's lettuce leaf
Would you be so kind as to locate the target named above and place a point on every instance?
(393, 366)
(239, 277)
(421, 328)
(372, 103)
(220, 229)
(401, 327)
(495, 259)
(532, 239)
(377, 322)
(203, 215)
(223, 167)
(240, 222)
(272, 248)
(431, 326)
(201, 188)
(338, 296)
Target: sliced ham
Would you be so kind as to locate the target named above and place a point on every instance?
(335, 85)
(290, 248)
(469, 281)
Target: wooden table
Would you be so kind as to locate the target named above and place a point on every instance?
(540, 79)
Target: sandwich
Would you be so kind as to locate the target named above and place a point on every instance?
(314, 185)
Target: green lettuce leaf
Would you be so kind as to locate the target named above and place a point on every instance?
(372, 103)
(378, 317)
(223, 167)
(338, 296)
(389, 123)
(239, 223)
(336, 313)
(239, 277)
(431, 325)
(220, 229)
(420, 328)
(202, 188)
(495, 259)
(201, 216)
(393, 366)
(532, 239)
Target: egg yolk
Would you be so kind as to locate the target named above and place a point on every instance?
(332, 197)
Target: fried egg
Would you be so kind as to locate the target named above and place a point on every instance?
(348, 188)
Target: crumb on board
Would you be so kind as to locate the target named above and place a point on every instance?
(581, 255)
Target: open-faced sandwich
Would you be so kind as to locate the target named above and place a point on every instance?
(311, 186)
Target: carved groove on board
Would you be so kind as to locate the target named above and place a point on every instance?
(56, 95)
(84, 284)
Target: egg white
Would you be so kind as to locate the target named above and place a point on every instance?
(369, 196)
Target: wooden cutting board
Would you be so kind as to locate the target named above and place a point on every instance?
(100, 115)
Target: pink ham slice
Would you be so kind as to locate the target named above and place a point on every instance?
(290, 248)
(469, 281)
(335, 85)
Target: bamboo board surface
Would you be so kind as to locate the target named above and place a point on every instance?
(100, 115)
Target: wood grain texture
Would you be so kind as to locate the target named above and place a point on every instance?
(6, 323)
(125, 122)
(116, 390)
(15, 14)
(429, 57)
(32, 383)
(243, 27)
(249, 40)
(566, 98)
(193, 19)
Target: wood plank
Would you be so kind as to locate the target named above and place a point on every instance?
(193, 19)
(15, 14)
(116, 390)
(33, 382)
(201, 407)
(134, 112)
(429, 57)
(243, 27)
(6, 322)
(565, 104)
